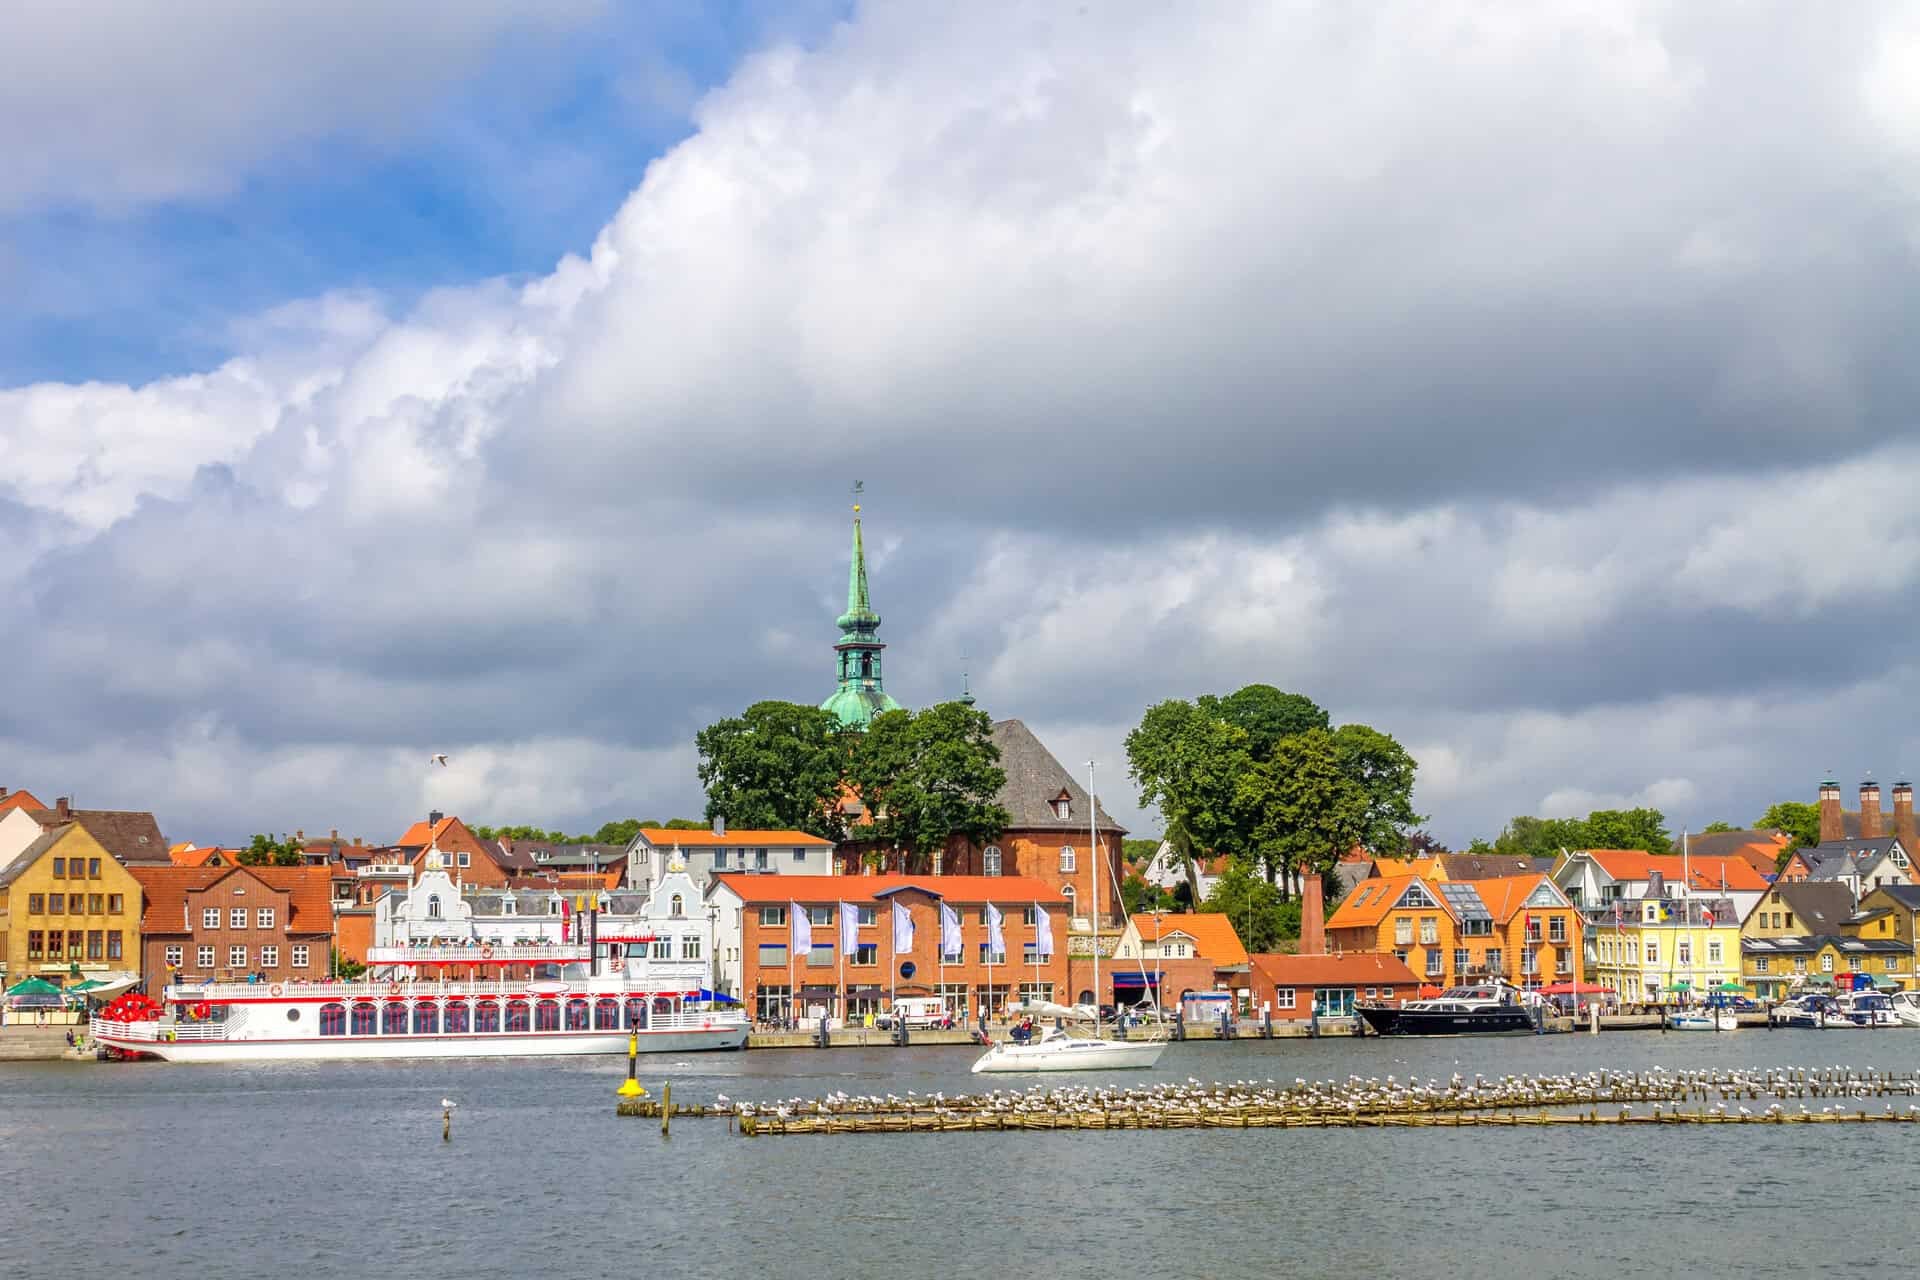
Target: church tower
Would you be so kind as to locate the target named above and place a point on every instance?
(860, 696)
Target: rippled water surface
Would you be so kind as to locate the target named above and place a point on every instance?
(336, 1169)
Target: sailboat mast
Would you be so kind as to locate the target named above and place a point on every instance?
(1093, 835)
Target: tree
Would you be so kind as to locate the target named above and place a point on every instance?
(1629, 829)
(621, 832)
(1715, 828)
(1528, 837)
(1797, 818)
(929, 776)
(1385, 772)
(265, 851)
(1306, 810)
(1258, 913)
(1266, 714)
(1423, 844)
(1138, 895)
(778, 766)
(346, 968)
(1186, 762)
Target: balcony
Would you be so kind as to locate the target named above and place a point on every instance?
(385, 871)
(477, 954)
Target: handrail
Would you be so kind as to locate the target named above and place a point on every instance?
(418, 989)
(478, 953)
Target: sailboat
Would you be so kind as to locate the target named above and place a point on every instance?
(1061, 1049)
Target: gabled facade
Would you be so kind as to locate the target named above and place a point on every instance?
(1667, 944)
(468, 858)
(222, 924)
(1521, 928)
(1861, 865)
(709, 852)
(1595, 879)
(1773, 967)
(128, 835)
(68, 906)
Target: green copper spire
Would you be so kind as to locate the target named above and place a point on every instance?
(860, 695)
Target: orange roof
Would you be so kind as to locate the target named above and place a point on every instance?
(1212, 933)
(424, 833)
(166, 888)
(1360, 968)
(662, 838)
(1427, 867)
(1009, 892)
(1370, 901)
(1709, 872)
(21, 799)
(1506, 895)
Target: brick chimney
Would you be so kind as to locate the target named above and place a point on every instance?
(1831, 825)
(62, 809)
(1870, 828)
(334, 835)
(1903, 818)
(1656, 885)
(1313, 917)
(433, 817)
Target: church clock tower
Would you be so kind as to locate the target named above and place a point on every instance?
(861, 695)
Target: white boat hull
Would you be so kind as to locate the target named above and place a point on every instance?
(1704, 1022)
(373, 1048)
(1072, 1054)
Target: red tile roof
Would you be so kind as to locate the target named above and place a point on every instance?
(662, 837)
(1362, 968)
(1709, 872)
(1012, 891)
(1212, 932)
(165, 889)
(21, 799)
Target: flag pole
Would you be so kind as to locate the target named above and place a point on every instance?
(841, 947)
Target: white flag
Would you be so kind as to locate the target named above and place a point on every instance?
(996, 941)
(902, 928)
(1042, 932)
(800, 931)
(849, 930)
(951, 945)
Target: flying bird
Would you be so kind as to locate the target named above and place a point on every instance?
(439, 759)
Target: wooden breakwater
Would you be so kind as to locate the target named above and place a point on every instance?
(1596, 1097)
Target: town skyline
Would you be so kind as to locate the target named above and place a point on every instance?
(1538, 400)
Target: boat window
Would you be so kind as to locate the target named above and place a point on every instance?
(393, 1019)
(426, 1019)
(519, 1017)
(365, 1018)
(546, 1016)
(459, 1018)
(576, 1015)
(662, 1006)
(636, 1014)
(333, 1019)
(486, 1016)
(606, 1015)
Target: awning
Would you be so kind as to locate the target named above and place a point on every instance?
(816, 991)
(868, 990)
(1136, 980)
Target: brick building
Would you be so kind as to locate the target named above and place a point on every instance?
(470, 860)
(753, 932)
(223, 923)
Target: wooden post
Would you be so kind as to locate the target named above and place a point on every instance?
(666, 1106)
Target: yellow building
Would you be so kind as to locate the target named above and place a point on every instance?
(1665, 948)
(1810, 934)
(67, 906)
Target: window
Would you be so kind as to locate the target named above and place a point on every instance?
(679, 908)
(333, 1019)
(269, 957)
(773, 917)
(96, 945)
(820, 957)
(93, 868)
(236, 957)
(720, 860)
(819, 915)
(56, 904)
(1826, 962)
(1683, 951)
(773, 955)
(690, 947)
(1283, 997)
(1653, 951)
(1433, 964)
(175, 956)
(1856, 963)
(263, 918)
(426, 1019)
(36, 904)
(1403, 932)
(116, 904)
(459, 1019)
(1029, 915)
(1459, 961)
(1496, 960)
(865, 955)
(366, 1018)
(863, 915)
(546, 1016)
(393, 1018)
(1788, 917)
(1760, 964)
(1066, 857)
(1893, 964)
(237, 918)
(578, 1015)
(759, 859)
(990, 860)
(636, 1013)
(1062, 808)
(606, 1014)
(519, 1015)
(991, 957)
(462, 859)
(1557, 929)
(486, 1016)
(1799, 964)
(76, 904)
(59, 868)
(1429, 930)
(799, 855)
(205, 957)
(663, 948)
(36, 940)
(1714, 951)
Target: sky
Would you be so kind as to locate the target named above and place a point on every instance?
(1533, 383)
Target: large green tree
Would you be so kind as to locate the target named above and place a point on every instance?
(1267, 714)
(1530, 837)
(1384, 771)
(778, 766)
(1305, 809)
(1187, 762)
(928, 776)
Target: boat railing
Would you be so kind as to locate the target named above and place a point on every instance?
(157, 1031)
(417, 989)
(478, 954)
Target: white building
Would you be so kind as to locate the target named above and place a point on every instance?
(702, 852)
(1167, 871)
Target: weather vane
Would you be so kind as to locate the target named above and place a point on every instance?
(859, 487)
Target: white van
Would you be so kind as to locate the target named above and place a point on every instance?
(915, 1011)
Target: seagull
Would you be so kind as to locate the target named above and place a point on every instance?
(439, 758)
(448, 1104)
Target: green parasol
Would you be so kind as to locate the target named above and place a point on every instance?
(33, 987)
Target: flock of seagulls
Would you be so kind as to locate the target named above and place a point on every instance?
(1370, 1095)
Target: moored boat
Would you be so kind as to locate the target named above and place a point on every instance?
(1491, 1009)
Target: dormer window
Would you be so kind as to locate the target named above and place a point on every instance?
(1062, 806)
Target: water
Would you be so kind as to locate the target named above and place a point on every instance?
(337, 1169)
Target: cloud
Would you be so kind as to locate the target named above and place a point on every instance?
(1533, 387)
